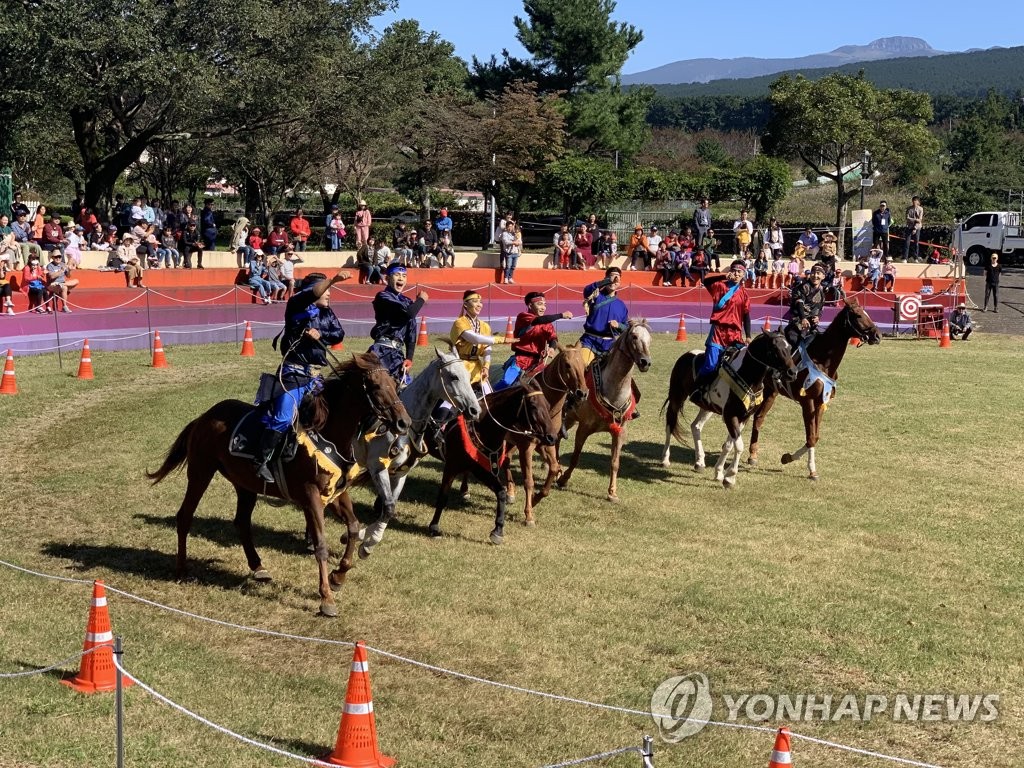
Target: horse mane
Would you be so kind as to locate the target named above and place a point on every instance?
(315, 409)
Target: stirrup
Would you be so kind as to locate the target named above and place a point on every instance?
(263, 473)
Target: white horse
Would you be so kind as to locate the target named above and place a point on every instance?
(387, 459)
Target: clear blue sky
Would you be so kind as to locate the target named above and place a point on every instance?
(780, 30)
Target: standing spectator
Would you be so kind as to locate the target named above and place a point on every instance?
(58, 281)
(593, 227)
(185, 215)
(809, 241)
(239, 239)
(122, 211)
(18, 207)
(299, 226)
(39, 222)
(702, 220)
(159, 215)
(363, 221)
(192, 243)
(33, 282)
(277, 240)
(639, 248)
(992, 272)
(209, 226)
(335, 230)
(77, 206)
(915, 220)
(743, 228)
(881, 220)
(87, 218)
(444, 224)
(960, 323)
(511, 243)
(584, 243)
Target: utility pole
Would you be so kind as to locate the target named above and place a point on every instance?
(865, 175)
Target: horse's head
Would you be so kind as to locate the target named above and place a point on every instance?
(453, 384)
(382, 394)
(859, 324)
(571, 371)
(777, 354)
(637, 343)
(538, 412)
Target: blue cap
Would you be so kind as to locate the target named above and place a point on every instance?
(395, 267)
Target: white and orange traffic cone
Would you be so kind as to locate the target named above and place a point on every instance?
(9, 383)
(767, 327)
(944, 342)
(85, 365)
(422, 340)
(781, 757)
(97, 672)
(509, 332)
(356, 746)
(159, 358)
(248, 348)
(681, 330)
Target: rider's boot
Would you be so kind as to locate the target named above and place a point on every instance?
(269, 441)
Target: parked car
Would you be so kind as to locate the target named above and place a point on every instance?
(539, 231)
(407, 218)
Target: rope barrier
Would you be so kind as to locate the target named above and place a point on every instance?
(132, 300)
(592, 758)
(459, 675)
(193, 301)
(57, 665)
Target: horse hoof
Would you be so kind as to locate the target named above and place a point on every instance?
(728, 484)
(813, 477)
(434, 532)
(262, 574)
(787, 458)
(698, 467)
(613, 498)
(666, 463)
(751, 462)
(336, 585)
(330, 610)
(530, 523)
(364, 552)
(496, 538)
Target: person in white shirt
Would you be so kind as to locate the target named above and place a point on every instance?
(653, 241)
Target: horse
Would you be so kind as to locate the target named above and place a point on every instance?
(818, 372)
(563, 379)
(479, 448)
(734, 398)
(358, 390)
(599, 412)
(387, 459)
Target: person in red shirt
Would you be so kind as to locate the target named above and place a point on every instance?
(256, 239)
(730, 319)
(534, 333)
(277, 240)
(299, 226)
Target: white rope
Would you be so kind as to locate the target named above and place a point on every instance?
(80, 654)
(132, 300)
(467, 677)
(592, 758)
(204, 330)
(193, 301)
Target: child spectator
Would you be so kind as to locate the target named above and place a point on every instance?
(192, 243)
(167, 252)
(446, 251)
(761, 266)
(97, 239)
(699, 264)
(75, 242)
(33, 282)
(751, 275)
(683, 262)
(564, 252)
(255, 243)
(838, 291)
(778, 279)
(794, 270)
(888, 274)
(335, 232)
(5, 287)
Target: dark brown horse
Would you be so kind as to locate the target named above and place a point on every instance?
(732, 397)
(565, 376)
(813, 389)
(479, 449)
(357, 390)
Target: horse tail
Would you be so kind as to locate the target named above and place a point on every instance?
(177, 455)
(676, 399)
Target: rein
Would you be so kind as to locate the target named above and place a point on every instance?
(522, 405)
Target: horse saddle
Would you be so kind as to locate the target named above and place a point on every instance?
(245, 439)
(717, 392)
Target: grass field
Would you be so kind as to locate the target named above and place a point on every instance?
(900, 571)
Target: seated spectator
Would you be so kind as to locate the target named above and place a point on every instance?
(426, 245)
(255, 272)
(709, 245)
(761, 265)
(23, 237)
(556, 243)
(10, 253)
(399, 237)
(583, 245)
(874, 270)
(699, 265)
(5, 287)
(39, 221)
(404, 248)
(564, 252)
(638, 249)
(96, 238)
(860, 269)
(58, 281)
(151, 243)
(273, 277)
(682, 262)
(192, 243)
(443, 227)
(33, 282)
(277, 240)
(366, 259)
(809, 241)
(888, 274)
(794, 270)
(287, 271)
(827, 253)
(778, 268)
(299, 227)
(53, 236)
(960, 323)
(383, 256)
(663, 263)
(167, 251)
(131, 256)
(446, 251)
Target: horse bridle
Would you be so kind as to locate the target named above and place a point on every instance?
(630, 343)
(380, 411)
(522, 405)
(862, 335)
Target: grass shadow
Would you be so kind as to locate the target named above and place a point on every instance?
(145, 563)
(222, 532)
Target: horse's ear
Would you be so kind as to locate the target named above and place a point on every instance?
(446, 341)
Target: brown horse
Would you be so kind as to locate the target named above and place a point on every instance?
(480, 449)
(733, 398)
(813, 388)
(564, 377)
(358, 390)
(607, 406)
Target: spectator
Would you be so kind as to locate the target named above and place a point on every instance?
(58, 281)
(149, 244)
(809, 241)
(192, 243)
(88, 219)
(363, 220)
(682, 260)
(874, 271)
(653, 239)
(639, 248)
(168, 253)
(960, 323)
(663, 263)
(159, 215)
(764, 258)
(915, 220)
(206, 218)
(335, 230)
(563, 258)
(366, 259)
(148, 213)
(129, 260)
(53, 236)
(584, 243)
(240, 239)
(605, 248)
(299, 226)
(743, 228)
(794, 270)
(828, 250)
(709, 246)
(385, 256)
(5, 284)
(426, 243)
(255, 243)
(699, 262)
(403, 247)
(881, 220)
(122, 213)
(778, 268)
(255, 274)
(185, 215)
(399, 237)
(136, 215)
(39, 222)
(992, 272)
(888, 274)
(277, 240)
(33, 282)
(702, 220)
(96, 240)
(556, 254)
(593, 227)
(23, 237)
(18, 207)
(274, 277)
(287, 271)
(444, 225)
(446, 250)
(511, 243)
(73, 250)
(10, 253)
(773, 237)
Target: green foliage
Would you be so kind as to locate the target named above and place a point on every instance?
(711, 152)
(764, 183)
(576, 179)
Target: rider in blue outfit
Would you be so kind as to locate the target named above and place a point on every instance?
(606, 313)
(310, 326)
(394, 334)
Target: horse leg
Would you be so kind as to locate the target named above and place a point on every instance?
(510, 483)
(200, 473)
(464, 487)
(755, 431)
(581, 437)
(551, 458)
(666, 461)
(314, 511)
(386, 501)
(526, 465)
(733, 468)
(343, 506)
(812, 442)
(618, 440)
(243, 524)
(696, 429)
(447, 478)
(811, 436)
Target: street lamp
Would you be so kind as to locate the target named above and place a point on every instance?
(865, 175)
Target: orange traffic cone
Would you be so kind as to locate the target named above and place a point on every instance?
(509, 333)
(97, 672)
(85, 366)
(780, 755)
(356, 746)
(422, 340)
(944, 342)
(248, 348)
(159, 358)
(9, 384)
(767, 327)
(681, 330)
(338, 346)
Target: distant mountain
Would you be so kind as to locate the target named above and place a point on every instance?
(705, 70)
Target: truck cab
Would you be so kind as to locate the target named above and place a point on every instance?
(982, 233)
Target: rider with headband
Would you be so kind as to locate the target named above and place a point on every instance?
(310, 326)
(805, 306)
(394, 334)
(534, 333)
(730, 314)
(607, 316)
(472, 338)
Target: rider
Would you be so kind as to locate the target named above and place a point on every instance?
(309, 328)
(730, 311)
(394, 333)
(534, 333)
(805, 306)
(473, 339)
(607, 316)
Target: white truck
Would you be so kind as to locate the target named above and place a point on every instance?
(982, 233)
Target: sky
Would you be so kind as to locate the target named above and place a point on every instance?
(483, 27)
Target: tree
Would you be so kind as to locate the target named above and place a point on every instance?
(829, 123)
(578, 180)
